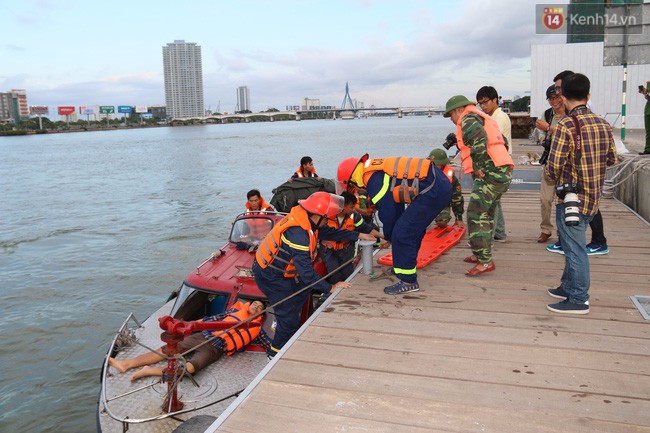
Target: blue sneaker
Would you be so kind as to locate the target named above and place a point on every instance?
(558, 293)
(568, 307)
(595, 249)
(401, 288)
(555, 248)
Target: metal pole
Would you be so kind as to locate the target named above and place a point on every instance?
(623, 108)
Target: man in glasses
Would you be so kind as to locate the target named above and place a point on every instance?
(488, 99)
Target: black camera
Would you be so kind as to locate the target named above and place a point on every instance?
(547, 149)
(450, 141)
(569, 193)
(567, 188)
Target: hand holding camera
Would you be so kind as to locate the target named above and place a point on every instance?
(450, 141)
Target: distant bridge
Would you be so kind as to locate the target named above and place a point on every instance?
(394, 111)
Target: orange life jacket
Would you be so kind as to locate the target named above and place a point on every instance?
(237, 339)
(301, 175)
(370, 206)
(259, 227)
(264, 208)
(449, 172)
(496, 144)
(346, 224)
(267, 253)
(402, 168)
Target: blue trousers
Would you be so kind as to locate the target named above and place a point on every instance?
(288, 314)
(575, 278)
(411, 225)
(333, 259)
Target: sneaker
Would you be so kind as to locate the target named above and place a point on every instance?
(498, 239)
(401, 288)
(555, 248)
(568, 307)
(595, 249)
(558, 293)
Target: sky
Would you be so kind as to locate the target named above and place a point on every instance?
(392, 53)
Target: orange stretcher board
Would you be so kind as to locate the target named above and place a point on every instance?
(435, 242)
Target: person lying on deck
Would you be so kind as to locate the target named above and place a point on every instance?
(207, 353)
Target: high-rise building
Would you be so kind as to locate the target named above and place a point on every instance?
(183, 72)
(23, 108)
(13, 106)
(243, 99)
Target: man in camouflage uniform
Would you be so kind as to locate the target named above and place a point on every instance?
(491, 180)
(457, 204)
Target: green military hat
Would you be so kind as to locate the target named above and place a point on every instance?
(455, 102)
(439, 157)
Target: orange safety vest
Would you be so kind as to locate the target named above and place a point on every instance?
(346, 224)
(449, 172)
(264, 208)
(301, 175)
(268, 250)
(496, 144)
(237, 339)
(402, 168)
(259, 227)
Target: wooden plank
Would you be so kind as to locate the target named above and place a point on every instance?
(496, 318)
(590, 359)
(544, 338)
(286, 401)
(472, 368)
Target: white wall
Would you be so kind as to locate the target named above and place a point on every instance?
(606, 81)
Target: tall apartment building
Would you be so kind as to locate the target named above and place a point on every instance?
(183, 71)
(243, 99)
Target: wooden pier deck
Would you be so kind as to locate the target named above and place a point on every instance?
(474, 354)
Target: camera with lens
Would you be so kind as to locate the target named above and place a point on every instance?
(450, 141)
(569, 193)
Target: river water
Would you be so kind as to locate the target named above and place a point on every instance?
(95, 225)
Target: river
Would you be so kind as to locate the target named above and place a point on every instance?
(95, 225)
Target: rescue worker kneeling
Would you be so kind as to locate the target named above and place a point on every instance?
(335, 254)
(391, 183)
(283, 262)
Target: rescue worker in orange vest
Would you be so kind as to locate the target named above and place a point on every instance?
(485, 157)
(283, 262)
(306, 169)
(233, 341)
(457, 204)
(256, 204)
(335, 254)
(391, 183)
(258, 227)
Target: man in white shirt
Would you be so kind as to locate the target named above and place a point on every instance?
(488, 100)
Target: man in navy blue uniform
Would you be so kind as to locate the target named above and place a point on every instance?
(391, 183)
(283, 262)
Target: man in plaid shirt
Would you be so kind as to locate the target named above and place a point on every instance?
(581, 162)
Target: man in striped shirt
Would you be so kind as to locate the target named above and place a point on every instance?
(582, 148)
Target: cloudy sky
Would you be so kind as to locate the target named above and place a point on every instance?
(392, 53)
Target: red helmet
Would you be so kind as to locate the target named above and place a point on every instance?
(346, 168)
(323, 204)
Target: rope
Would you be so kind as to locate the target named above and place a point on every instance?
(639, 162)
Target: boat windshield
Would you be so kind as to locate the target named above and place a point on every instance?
(250, 230)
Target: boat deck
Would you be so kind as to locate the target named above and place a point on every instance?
(478, 354)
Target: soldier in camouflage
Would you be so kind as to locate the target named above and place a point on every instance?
(491, 181)
(457, 204)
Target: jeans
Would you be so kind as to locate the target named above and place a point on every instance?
(575, 279)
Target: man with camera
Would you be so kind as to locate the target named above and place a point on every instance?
(581, 150)
(485, 157)
(547, 189)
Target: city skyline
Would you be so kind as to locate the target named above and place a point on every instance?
(414, 53)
